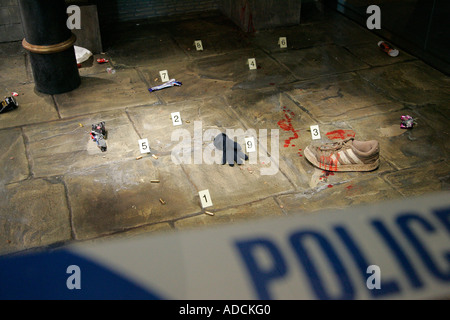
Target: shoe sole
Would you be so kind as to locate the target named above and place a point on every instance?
(338, 167)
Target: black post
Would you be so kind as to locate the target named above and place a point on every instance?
(50, 45)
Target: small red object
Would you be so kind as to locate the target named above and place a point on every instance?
(386, 47)
(102, 60)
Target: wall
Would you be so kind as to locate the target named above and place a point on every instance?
(111, 12)
(254, 15)
(10, 21)
(250, 15)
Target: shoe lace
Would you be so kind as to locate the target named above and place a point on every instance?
(335, 145)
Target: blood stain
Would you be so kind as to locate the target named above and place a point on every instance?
(286, 125)
(341, 134)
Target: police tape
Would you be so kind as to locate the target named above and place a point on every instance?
(391, 250)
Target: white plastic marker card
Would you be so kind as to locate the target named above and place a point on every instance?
(164, 75)
(198, 45)
(250, 144)
(282, 42)
(252, 63)
(144, 146)
(176, 119)
(205, 198)
(315, 132)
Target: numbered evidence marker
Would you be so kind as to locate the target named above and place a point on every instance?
(144, 146)
(176, 119)
(198, 45)
(205, 198)
(282, 42)
(315, 132)
(164, 75)
(252, 63)
(250, 144)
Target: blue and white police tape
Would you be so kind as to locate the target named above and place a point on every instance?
(392, 250)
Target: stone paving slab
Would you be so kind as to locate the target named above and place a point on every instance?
(14, 64)
(337, 30)
(362, 191)
(234, 67)
(194, 86)
(411, 82)
(33, 213)
(12, 157)
(346, 32)
(120, 196)
(34, 107)
(105, 91)
(319, 61)
(254, 210)
(269, 109)
(371, 54)
(413, 147)
(272, 109)
(434, 115)
(91, 66)
(340, 98)
(211, 24)
(134, 30)
(213, 44)
(155, 123)
(211, 114)
(297, 37)
(233, 186)
(57, 148)
(154, 48)
(421, 180)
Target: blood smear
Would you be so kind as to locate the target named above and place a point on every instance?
(341, 134)
(286, 125)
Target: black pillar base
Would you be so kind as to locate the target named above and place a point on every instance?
(50, 45)
(55, 72)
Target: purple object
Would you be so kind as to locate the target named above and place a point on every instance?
(407, 122)
(170, 83)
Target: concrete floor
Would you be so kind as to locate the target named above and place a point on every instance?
(57, 187)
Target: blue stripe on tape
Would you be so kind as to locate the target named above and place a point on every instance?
(45, 276)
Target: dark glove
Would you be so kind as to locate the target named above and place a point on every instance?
(232, 151)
